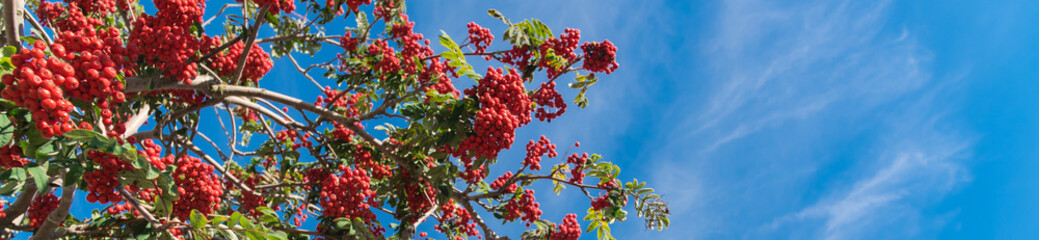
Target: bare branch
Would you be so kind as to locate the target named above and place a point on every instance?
(255, 29)
(58, 215)
(13, 22)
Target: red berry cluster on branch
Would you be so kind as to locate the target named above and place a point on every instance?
(537, 149)
(180, 12)
(41, 206)
(36, 84)
(247, 115)
(525, 208)
(98, 57)
(413, 45)
(250, 201)
(547, 97)
(348, 42)
(65, 18)
(363, 159)
(419, 194)
(94, 6)
(480, 37)
(386, 60)
(151, 152)
(501, 181)
(518, 56)
(603, 200)
(102, 182)
(504, 106)
(11, 156)
(197, 186)
(600, 57)
(569, 230)
(348, 195)
(562, 47)
(456, 216)
(257, 63)
(437, 70)
(165, 40)
(355, 4)
(578, 171)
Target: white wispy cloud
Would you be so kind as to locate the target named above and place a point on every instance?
(818, 121)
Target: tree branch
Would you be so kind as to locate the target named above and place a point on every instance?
(58, 215)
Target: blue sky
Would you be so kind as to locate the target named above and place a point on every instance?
(796, 119)
(806, 119)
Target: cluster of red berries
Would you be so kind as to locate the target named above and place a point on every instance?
(164, 46)
(98, 57)
(165, 40)
(2, 214)
(600, 57)
(151, 152)
(11, 156)
(384, 11)
(438, 70)
(386, 60)
(342, 102)
(518, 56)
(125, 4)
(480, 37)
(569, 230)
(354, 4)
(348, 42)
(40, 208)
(102, 182)
(54, 15)
(118, 208)
(289, 136)
(180, 12)
(413, 46)
(286, 6)
(348, 195)
(257, 63)
(500, 182)
(504, 106)
(563, 47)
(36, 85)
(197, 186)
(364, 160)
(420, 195)
(457, 216)
(247, 115)
(524, 208)
(250, 201)
(603, 201)
(547, 97)
(537, 149)
(578, 171)
(98, 6)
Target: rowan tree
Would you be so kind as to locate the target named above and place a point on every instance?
(104, 99)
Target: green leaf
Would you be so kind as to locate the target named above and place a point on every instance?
(218, 219)
(6, 130)
(277, 235)
(495, 14)
(362, 22)
(39, 174)
(446, 41)
(9, 51)
(9, 188)
(80, 134)
(197, 220)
